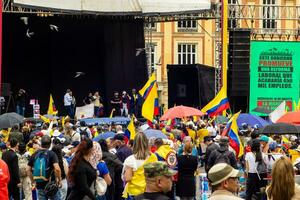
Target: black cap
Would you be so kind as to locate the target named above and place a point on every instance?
(207, 139)
(119, 137)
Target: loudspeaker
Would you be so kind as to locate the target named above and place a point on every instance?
(238, 69)
(5, 89)
(190, 85)
(238, 62)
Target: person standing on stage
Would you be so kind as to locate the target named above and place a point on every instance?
(68, 103)
(125, 103)
(116, 103)
(20, 102)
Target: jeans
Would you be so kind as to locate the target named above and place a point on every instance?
(69, 111)
(63, 190)
(43, 196)
(20, 110)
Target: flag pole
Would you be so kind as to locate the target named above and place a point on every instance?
(224, 39)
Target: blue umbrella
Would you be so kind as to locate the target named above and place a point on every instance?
(251, 120)
(104, 136)
(155, 133)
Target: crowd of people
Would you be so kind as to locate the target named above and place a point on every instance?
(70, 160)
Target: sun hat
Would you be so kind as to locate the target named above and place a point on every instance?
(221, 172)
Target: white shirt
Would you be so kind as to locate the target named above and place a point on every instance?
(67, 99)
(75, 136)
(250, 158)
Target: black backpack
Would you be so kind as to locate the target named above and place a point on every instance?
(83, 133)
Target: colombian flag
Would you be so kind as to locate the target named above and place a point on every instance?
(149, 93)
(51, 108)
(231, 131)
(130, 132)
(218, 104)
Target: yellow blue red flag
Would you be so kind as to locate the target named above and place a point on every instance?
(218, 104)
(51, 108)
(150, 106)
(232, 132)
(130, 132)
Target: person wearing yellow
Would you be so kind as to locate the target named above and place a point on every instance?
(5, 134)
(133, 170)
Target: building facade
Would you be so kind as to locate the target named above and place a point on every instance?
(193, 41)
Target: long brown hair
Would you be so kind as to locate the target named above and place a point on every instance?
(283, 180)
(83, 149)
(141, 146)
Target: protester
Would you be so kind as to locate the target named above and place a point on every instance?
(133, 171)
(116, 104)
(210, 147)
(68, 103)
(4, 180)
(224, 180)
(256, 169)
(21, 102)
(115, 167)
(98, 106)
(123, 151)
(81, 173)
(11, 158)
(222, 155)
(158, 181)
(41, 167)
(187, 166)
(16, 134)
(63, 165)
(283, 182)
(125, 104)
(23, 158)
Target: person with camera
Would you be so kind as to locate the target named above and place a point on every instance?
(44, 171)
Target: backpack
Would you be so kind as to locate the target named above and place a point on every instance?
(41, 166)
(22, 162)
(223, 157)
(83, 134)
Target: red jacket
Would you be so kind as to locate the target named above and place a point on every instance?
(4, 179)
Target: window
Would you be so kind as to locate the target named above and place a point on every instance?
(151, 48)
(269, 14)
(232, 22)
(187, 25)
(150, 26)
(187, 53)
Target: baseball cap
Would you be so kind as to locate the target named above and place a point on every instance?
(222, 171)
(119, 137)
(158, 168)
(264, 138)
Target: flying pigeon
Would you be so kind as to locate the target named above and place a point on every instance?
(53, 27)
(77, 74)
(138, 51)
(25, 20)
(29, 34)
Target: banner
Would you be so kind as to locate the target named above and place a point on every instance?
(85, 111)
(274, 74)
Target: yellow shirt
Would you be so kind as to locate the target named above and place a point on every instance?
(5, 134)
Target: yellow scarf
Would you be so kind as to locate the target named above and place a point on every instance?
(137, 184)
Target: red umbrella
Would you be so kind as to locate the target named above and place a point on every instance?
(290, 118)
(180, 112)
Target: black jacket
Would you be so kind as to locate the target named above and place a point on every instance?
(11, 159)
(223, 154)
